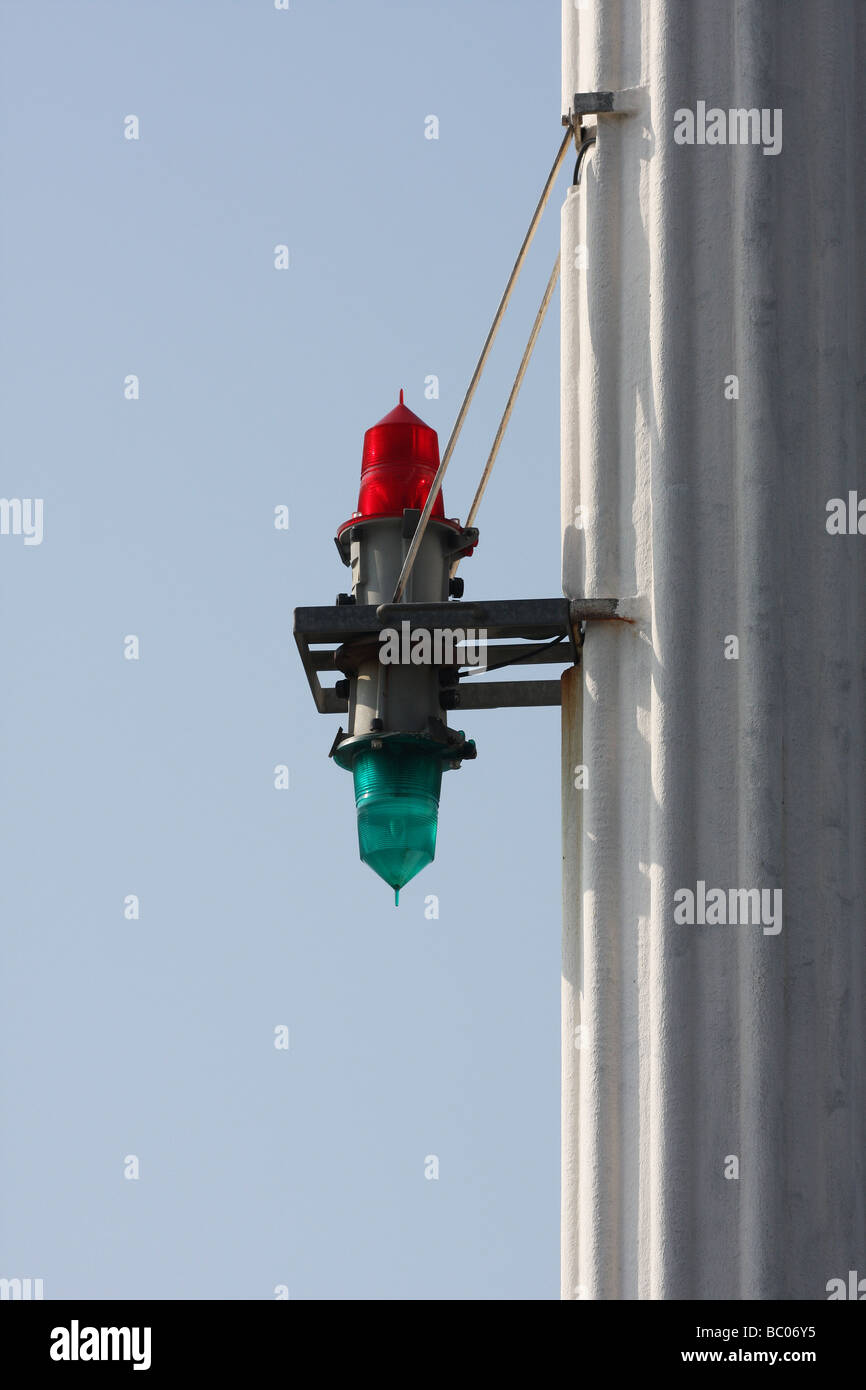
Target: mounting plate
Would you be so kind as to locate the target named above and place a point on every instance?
(537, 620)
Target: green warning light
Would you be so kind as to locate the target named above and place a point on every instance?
(398, 780)
(397, 797)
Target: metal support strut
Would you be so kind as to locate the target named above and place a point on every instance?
(585, 103)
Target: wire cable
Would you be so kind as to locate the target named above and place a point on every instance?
(512, 661)
(509, 405)
(436, 485)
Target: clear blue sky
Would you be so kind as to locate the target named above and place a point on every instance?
(155, 1037)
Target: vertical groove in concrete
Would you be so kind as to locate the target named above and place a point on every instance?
(704, 1043)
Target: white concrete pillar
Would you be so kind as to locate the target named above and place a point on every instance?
(714, 1097)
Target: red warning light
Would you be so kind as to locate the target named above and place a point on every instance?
(398, 465)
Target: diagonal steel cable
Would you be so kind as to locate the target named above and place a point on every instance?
(436, 485)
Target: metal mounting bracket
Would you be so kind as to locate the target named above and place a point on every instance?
(588, 104)
(536, 620)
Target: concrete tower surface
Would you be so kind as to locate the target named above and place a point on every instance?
(714, 751)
